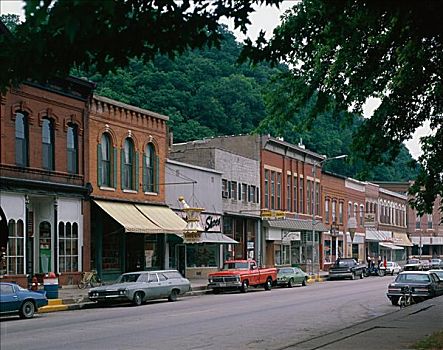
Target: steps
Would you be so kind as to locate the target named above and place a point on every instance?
(53, 305)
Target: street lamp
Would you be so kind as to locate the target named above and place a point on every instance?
(314, 170)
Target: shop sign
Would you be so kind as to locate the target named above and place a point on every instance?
(212, 223)
(369, 220)
(292, 236)
(191, 237)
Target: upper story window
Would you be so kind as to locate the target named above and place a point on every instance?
(301, 207)
(295, 180)
(288, 192)
(361, 214)
(150, 168)
(334, 211)
(278, 191)
(234, 190)
(272, 190)
(429, 220)
(266, 189)
(340, 213)
(224, 188)
(327, 210)
(104, 156)
(128, 165)
(21, 139)
(244, 192)
(417, 221)
(72, 148)
(349, 210)
(308, 197)
(48, 144)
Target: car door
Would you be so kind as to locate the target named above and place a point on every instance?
(438, 284)
(165, 285)
(154, 286)
(9, 300)
(298, 275)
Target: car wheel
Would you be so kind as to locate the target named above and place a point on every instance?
(216, 291)
(138, 299)
(27, 309)
(290, 283)
(303, 283)
(268, 284)
(361, 276)
(81, 285)
(244, 286)
(394, 301)
(173, 295)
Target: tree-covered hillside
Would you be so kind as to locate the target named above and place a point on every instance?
(207, 93)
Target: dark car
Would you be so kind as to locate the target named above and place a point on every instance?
(424, 285)
(346, 268)
(17, 300)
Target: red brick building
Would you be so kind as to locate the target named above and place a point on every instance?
(42, 175)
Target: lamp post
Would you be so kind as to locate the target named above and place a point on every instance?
(314, 170)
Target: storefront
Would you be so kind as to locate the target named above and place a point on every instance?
(243, 230)
(292, 242)
(45, 234)
(130, 237)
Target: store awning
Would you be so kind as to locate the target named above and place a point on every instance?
(212, 237)
(163, 217)
(359, 238)
(401, 239)
(297, 225)
(127, 215)
(390, 245)
(377, 236)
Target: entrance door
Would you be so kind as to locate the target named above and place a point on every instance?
(134, 252)
(45, 246)
(180, 256)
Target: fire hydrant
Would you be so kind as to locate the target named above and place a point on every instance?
(34, 284)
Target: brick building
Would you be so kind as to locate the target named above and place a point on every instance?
(42, 175)
(131, 226)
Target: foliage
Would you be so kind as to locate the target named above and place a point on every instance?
(107, 33)
(351, 50)
(203, 91)
(431, 342)
(11, 21)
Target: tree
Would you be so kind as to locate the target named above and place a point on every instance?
(58, 35)
(344, 51)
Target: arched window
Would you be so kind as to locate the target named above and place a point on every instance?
(104, 161)
(15, 249)
(128, 165)
(72, 148)
(150, 169)
(21, 139)
(48, 144)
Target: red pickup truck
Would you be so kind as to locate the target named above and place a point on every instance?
(242, 274)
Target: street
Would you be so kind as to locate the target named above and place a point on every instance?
(255, 320)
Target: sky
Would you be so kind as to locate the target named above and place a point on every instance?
(265, 18)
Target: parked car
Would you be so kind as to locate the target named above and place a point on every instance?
(138, 287)
(289, 276)
(439, 273)
(424, 285)
(17, 300)
(346, 268)
(391, 268)
(242, 274)
(436, 264)
(426, 264)
(413, 265)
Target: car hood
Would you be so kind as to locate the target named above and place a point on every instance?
(117, 286)
(228, 273)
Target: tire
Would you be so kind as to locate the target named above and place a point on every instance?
(81, 285)
(138, 299)
(394, 301)
(303, 283)
(268, 284)
(244, 286)
(381, 273)
(361, 276)
(290, 283)
(216, 291)
(27, 310)
(173, 296)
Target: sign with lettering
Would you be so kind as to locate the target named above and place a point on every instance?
(212, 223)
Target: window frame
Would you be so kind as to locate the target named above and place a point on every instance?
(72, 153)
(48, 148)
(24, 141)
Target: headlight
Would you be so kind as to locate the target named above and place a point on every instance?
(394, 289)
(237, 278)
(210, 279)
(122, 291)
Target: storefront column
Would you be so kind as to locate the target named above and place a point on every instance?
(56, 235)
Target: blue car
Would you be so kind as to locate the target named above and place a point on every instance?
(15, 299)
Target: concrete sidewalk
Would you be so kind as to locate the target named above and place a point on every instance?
(398, 330)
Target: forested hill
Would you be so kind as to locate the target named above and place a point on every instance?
(207, 93)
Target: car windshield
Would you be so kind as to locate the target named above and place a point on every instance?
(344, 263)
(413, 261)
(435, 261)
(439, 274)
(412, 277)
(235, 265)
(282, 271)
(130, 277)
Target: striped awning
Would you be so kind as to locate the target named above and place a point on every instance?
(296, 224)
(212, 237)
(390, 245)
(163, 217)
(401, 239)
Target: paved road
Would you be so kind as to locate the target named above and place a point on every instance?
(256, 320)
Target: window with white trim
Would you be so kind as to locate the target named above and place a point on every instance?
(68, 247)
(15, 258)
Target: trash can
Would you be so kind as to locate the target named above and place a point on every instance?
(50, 286)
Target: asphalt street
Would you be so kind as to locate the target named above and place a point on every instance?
(255, 320)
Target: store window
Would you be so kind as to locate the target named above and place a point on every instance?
(21, 139)
(282, 254)
(111, 260)
(48, 144)
(15, 248)
(202, 255)
(72, 148)
(68, 247)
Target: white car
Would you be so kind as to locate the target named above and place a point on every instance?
(391, 268)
